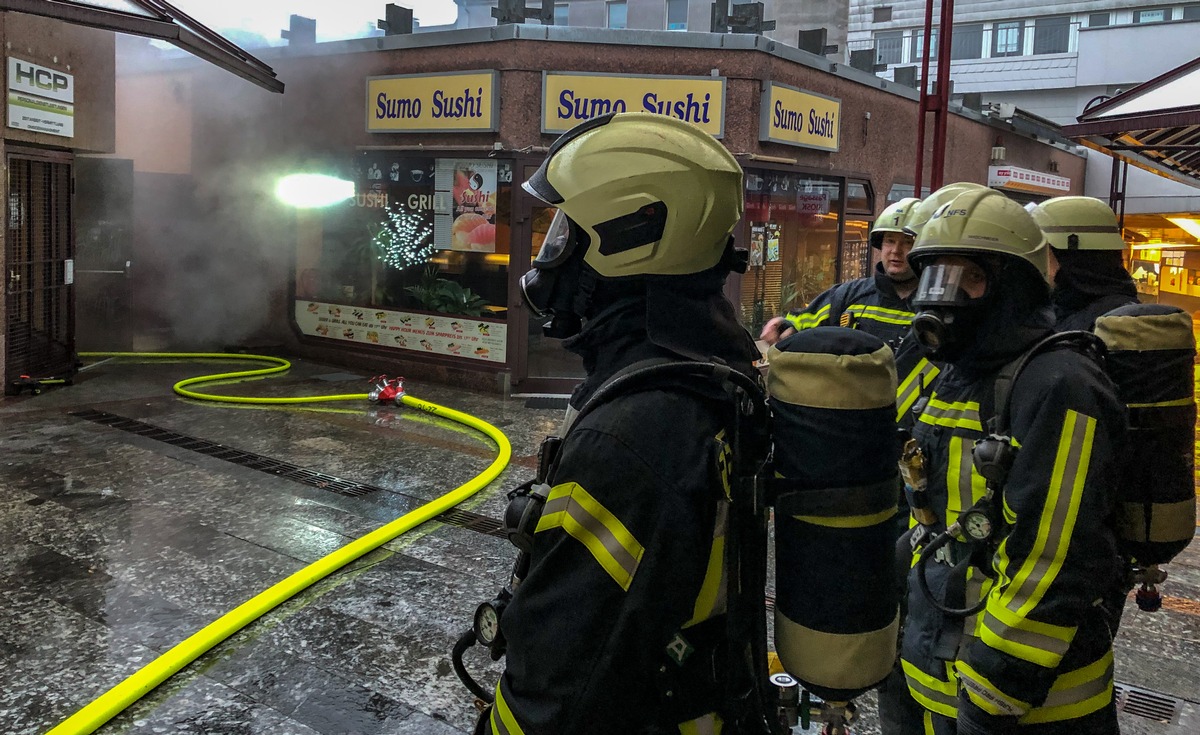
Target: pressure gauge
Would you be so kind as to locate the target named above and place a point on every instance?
(976, 525)
(487, 622)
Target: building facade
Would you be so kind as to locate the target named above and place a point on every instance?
(438, 130)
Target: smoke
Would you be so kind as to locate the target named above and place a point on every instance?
(212, 248)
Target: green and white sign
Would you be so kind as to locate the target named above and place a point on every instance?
(40, 99)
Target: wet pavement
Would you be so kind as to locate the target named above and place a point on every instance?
(118, 542)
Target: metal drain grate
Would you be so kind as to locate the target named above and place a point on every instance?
(1149, 704)
(279, 468)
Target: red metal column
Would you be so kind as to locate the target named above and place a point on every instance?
(938, 103)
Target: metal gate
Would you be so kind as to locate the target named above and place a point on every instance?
(39, 297)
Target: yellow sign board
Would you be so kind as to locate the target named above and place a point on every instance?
(795, 117)
(460, 102)
(570, 98)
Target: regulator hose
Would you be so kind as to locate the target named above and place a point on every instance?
(922, 561)
(115, 700)
(465, 642)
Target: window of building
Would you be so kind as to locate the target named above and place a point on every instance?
(1096, 20)
(855, 257)
(1052, 35)
(916, 48)
(1191, 12)
(882, 14)
(1151, 16)
(677, 13)
(792, 224)
(561, 15)
(967, 42)
(1008, 38)
(617, 14)
(889, 47)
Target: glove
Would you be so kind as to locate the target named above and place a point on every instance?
(974, 721)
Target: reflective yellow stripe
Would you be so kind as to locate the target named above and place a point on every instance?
(910, 388)
(957, 415)
(808, 321)
(712, 597)
(930, 692)
(1163, 404)
(881, 314)
(963, 485)
(1026, 639)
(986, 695)
(502, 720)
(710, 724)
(573, 509)
(849, 521)
(1077, 693)
(1059, 513)
(927, 720)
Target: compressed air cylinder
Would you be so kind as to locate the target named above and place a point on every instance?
(1151, 350)
(836, 446)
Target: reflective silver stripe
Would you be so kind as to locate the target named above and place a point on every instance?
(1055, 535)
(1080, 692)
(953, 413)
(1023, 637)
(570, 506)
(929, 692)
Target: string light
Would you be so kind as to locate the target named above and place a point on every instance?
(403, 239)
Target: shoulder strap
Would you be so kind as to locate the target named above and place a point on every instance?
(1083, 342)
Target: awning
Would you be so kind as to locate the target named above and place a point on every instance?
(1155, 124)
(154, 19)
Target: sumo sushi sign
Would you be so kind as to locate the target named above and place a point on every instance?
(460, 102)
(570, 98)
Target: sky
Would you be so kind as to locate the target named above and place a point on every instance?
(336, 19)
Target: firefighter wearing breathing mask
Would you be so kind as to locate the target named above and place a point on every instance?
(615, 627)
(1010, 619)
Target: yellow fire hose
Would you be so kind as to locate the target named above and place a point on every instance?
(115, 700)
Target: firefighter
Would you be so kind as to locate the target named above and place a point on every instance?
(1010, 621)
(618, 622)
(1086, 265)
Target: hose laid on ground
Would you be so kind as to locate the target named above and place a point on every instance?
(115, 700)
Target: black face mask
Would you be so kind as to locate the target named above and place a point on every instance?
(948, 318)
(556, 286)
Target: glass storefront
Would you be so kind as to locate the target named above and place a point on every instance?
(793, 227)
(417, 260)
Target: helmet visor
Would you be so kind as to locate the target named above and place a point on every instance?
(558, 245)
(949, 285)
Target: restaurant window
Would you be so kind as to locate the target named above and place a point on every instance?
(562, 14)
(889, 47)
(1052, 35)
(856, 251)
(792, 225)
(677, 13)
(967, 42)
(416, 260)
(1097, 20)
(1008, 38)
(617, 14)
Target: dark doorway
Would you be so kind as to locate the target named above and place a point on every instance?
(103, 254)
(40, 317)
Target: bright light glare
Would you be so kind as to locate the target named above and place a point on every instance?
(1188, 225)
(309, 191)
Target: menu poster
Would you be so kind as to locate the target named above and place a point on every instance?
(772, 242)
(456, 336)
(470, 222)
(757, 243)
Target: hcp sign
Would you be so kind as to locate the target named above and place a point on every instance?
(30, 78)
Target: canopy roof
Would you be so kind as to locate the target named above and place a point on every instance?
(1157, 122)
(154, 19)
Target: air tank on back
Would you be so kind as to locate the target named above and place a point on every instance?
(836, 446)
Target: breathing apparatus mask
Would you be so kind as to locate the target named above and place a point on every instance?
(554, 286)
(948, 317)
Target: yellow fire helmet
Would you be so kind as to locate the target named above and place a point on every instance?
(1078, 223)
(980, 221)
(655, 195)
(892, 219)
(921, 213)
